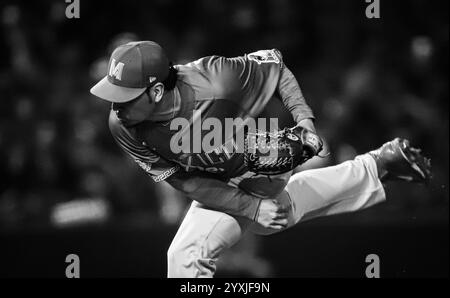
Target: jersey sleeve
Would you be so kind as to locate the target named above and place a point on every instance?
(154, 165)
(292, 96)
(249, 80)
(216, 194)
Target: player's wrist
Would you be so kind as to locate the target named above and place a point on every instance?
(307, 123)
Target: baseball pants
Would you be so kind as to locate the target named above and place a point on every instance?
(204, 233)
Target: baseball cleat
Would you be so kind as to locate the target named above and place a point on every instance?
(397, 160)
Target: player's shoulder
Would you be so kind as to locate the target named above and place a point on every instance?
(128, 140)
(115, 126)
(201, 64)
(118, 130)
(227, 77)
(216, 62)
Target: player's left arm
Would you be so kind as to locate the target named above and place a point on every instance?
(265, 69)
(293, 99)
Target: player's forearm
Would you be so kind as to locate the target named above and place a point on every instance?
(292, 96)
(217, 195)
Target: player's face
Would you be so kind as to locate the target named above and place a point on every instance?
(136, 110)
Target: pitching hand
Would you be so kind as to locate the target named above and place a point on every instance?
(272, 214)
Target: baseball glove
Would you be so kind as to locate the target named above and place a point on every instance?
(279, 152)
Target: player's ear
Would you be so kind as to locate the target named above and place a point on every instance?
(157, 91)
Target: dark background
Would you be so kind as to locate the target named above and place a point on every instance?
(66, 188)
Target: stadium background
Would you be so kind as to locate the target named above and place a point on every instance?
(67, 188)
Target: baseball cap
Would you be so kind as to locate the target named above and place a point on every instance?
(132, 68)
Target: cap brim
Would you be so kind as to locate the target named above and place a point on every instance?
(113, 93)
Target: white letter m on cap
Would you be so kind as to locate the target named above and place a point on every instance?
(116, 70)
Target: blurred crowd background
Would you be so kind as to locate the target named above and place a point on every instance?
(367, 80)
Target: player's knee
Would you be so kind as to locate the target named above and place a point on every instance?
(186, 262)
(175, 260)
(174, 255)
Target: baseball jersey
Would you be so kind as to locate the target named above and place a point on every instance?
(213, 87)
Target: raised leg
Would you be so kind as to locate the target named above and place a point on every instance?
(349, 186)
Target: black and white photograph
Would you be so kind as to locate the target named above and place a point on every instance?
(242, 141)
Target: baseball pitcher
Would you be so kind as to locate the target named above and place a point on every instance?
(228, 133)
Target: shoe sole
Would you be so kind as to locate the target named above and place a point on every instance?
(420, 165)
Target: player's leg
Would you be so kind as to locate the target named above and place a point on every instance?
(199, 241)
(205, 233)
(356, 185)
(352, 185)
(349, 186)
